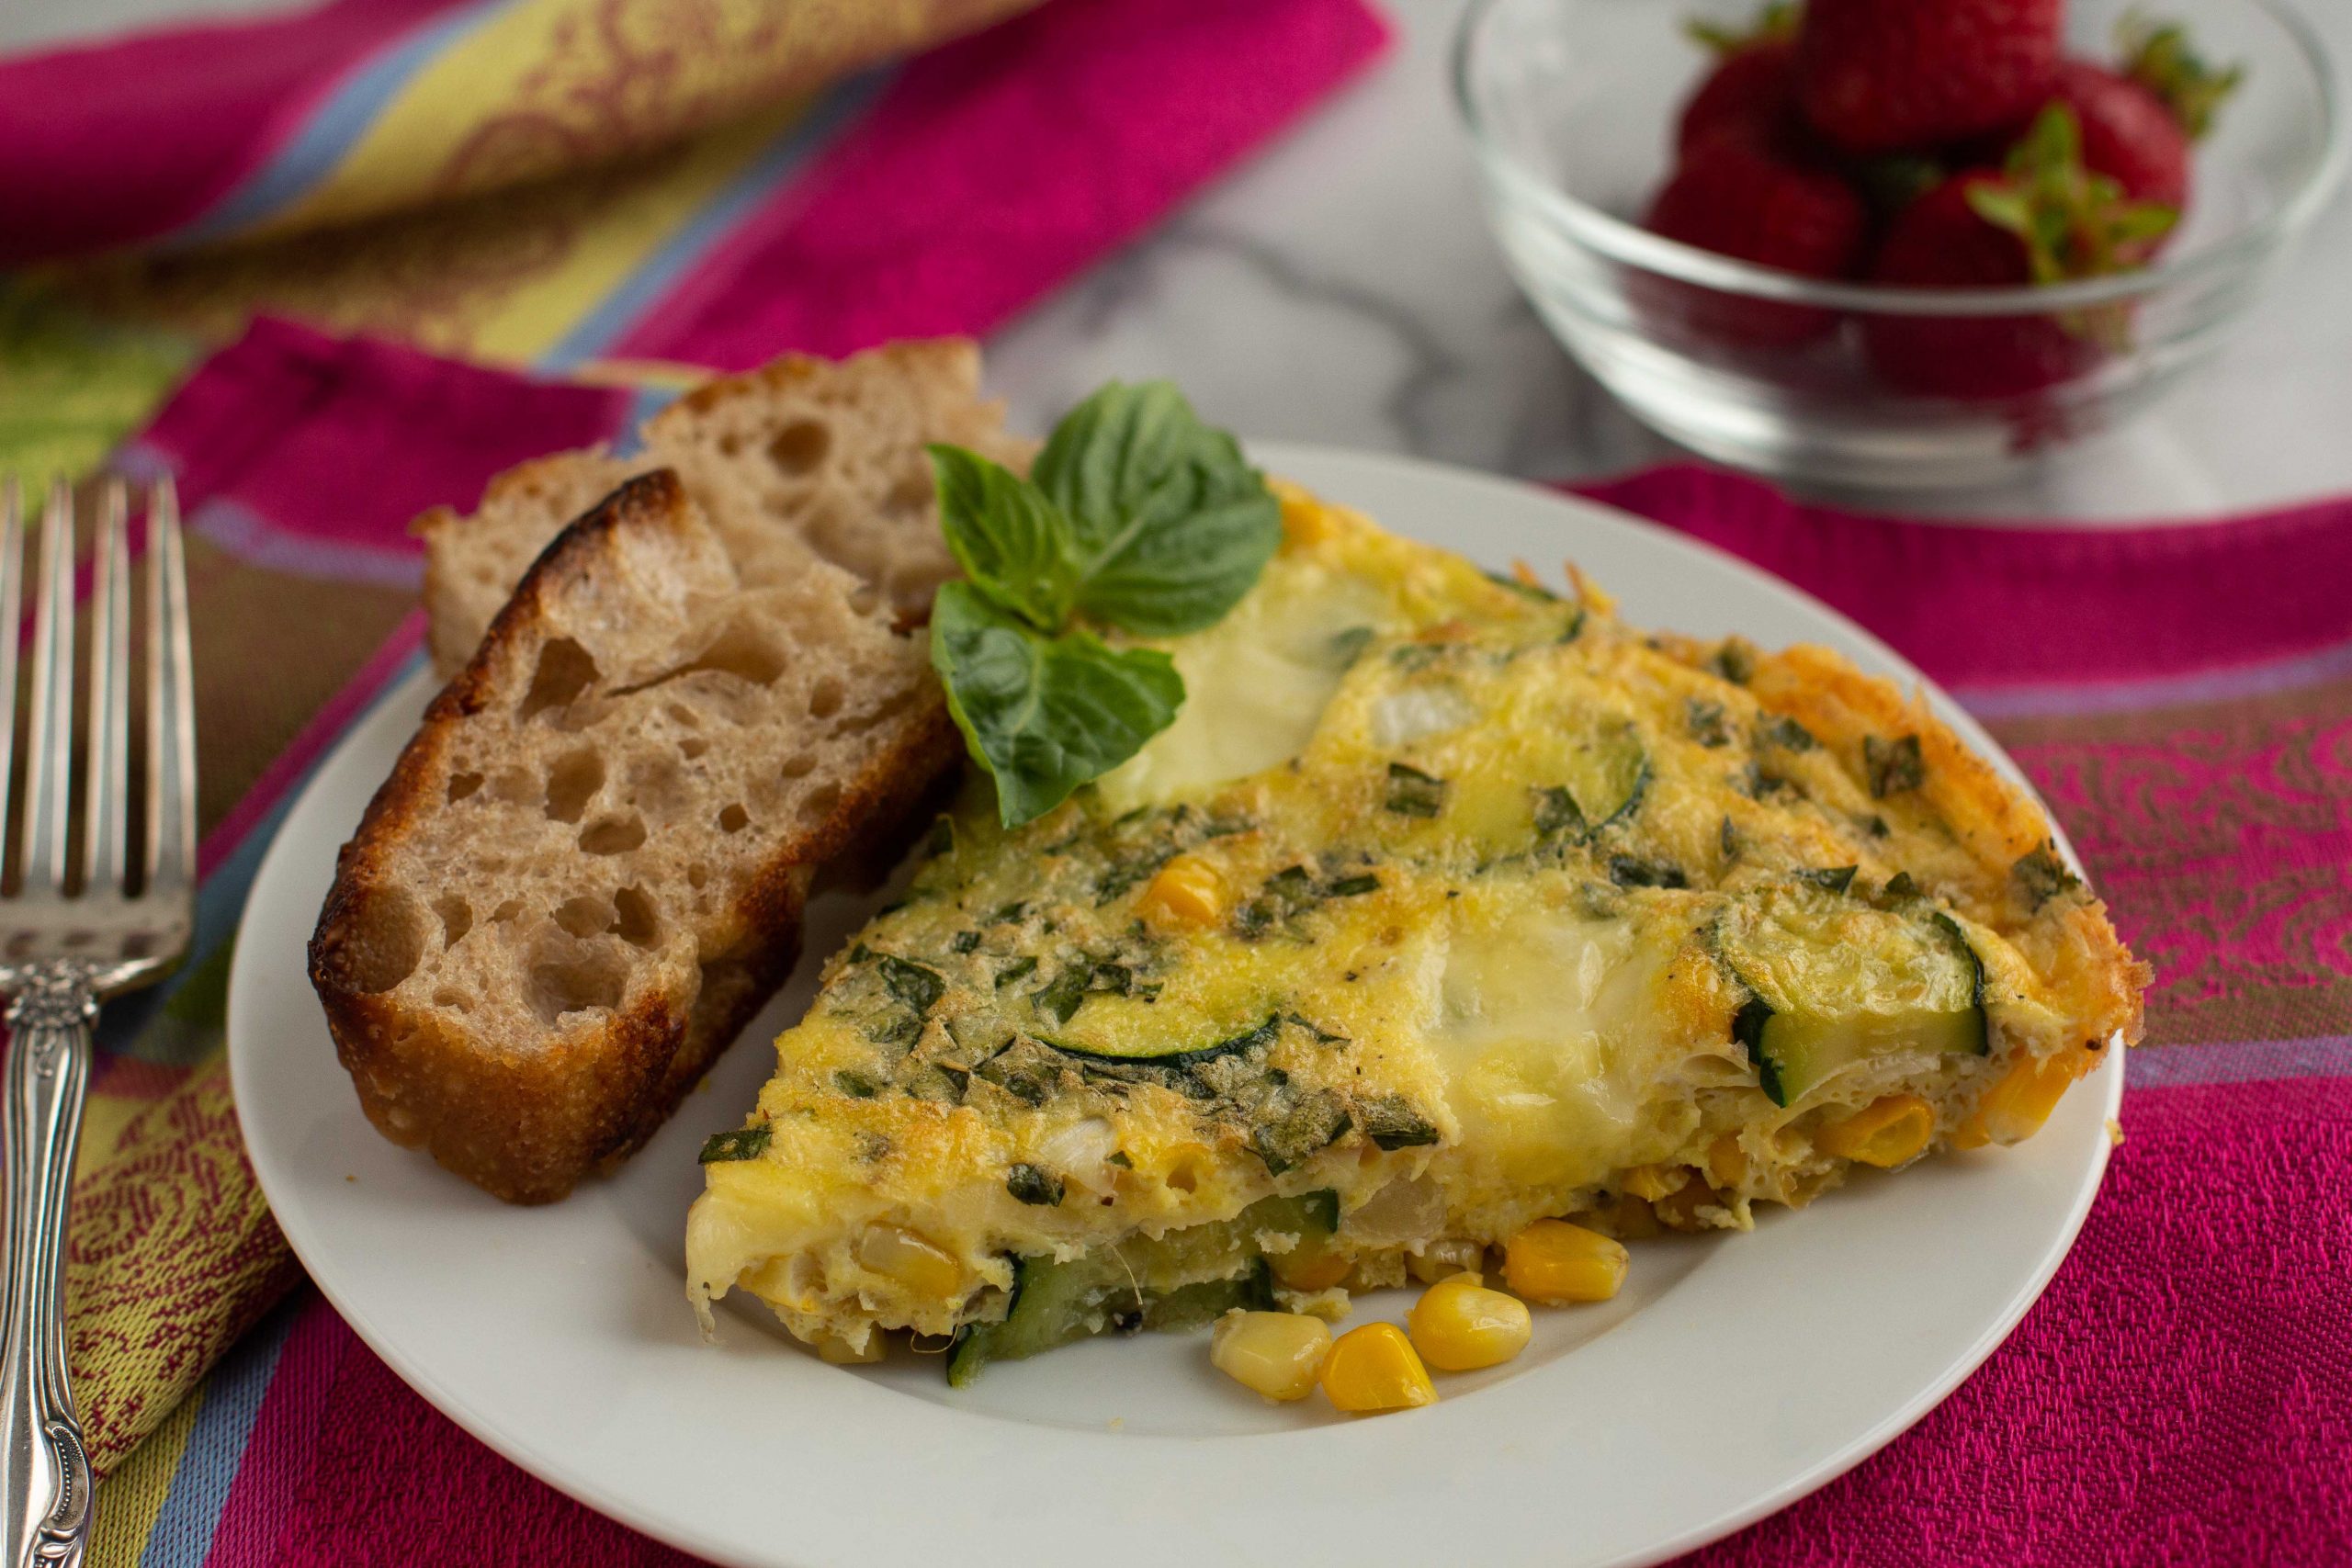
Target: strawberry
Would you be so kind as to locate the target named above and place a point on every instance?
(2129, 133)
(1752, 89)
(2044, 218)
(1902, 75)
(1743, 198)
(2138, 121)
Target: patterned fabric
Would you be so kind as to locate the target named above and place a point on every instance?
(556, 183)
(848, 213)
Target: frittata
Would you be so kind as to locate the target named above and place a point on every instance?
(1446, 906)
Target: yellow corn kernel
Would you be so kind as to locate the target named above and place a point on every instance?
(1727, 1161)
(1678, 1210)
(1306, 521)
(1654, 1181)
(835, 1348)
(1885, 1133)
(2015, 1108)
(1375, 1368)
(1187, 891)
(1307, 1267)
(1443, 1260)
(1276, 1354)
(1553, 1260)
(911, 1260)
(1459, 1325)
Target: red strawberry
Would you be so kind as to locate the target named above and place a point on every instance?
(2129, 134)
(1901, 75)
(2043, 219)
(1742, 197)
(2138, 120)
(1752, 89)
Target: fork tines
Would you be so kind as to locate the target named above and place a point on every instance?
(50, 861)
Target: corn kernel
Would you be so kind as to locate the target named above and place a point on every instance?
(1375, 1368)
(1306, 521)
(1307, 1267)
(1885, 1133)
(1443, 1260)
(832, 1348)
(911, 1260)
(1275, 1354)
(1678, 1210)
(1459, 1325)
(1553, 1260)
(2014, 1109)
(1654, 1181)
(1727, 1161)
(1188, 891)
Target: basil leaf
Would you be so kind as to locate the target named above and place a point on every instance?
(1013, 543)
(1168, 525)
(1043, 714)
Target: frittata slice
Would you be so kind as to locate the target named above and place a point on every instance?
(1447, 905)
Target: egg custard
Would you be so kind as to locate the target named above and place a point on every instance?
(1446, 906)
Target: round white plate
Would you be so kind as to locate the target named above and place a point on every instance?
(1732, 1375)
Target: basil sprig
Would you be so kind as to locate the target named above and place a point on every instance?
(1136, 515)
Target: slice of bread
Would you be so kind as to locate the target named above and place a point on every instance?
(587, 870)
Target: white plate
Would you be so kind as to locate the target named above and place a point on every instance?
(1733, 1375)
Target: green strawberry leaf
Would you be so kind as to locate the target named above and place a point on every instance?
(2072, 222)
(1170, 526)
(2159, 58)
(1775, 20)
(1044, 714)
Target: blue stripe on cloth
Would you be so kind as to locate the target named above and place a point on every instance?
(216, 1447)
(609, 320)
(2243, 1060)
(333, 128)
(644, 403)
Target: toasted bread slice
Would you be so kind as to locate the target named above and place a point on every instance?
(587, 870)
(804, 456)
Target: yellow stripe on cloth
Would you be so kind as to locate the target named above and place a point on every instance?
(545, 85)
(500, 277)
(132, 1497)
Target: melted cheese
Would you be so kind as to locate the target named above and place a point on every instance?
(1255, 683)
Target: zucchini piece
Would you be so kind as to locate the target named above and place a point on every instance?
(1608, 774)
(1160, 1053)
(1059, 1303)
(1831, 982)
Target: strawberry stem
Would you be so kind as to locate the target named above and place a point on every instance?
(1778, 20)
(2158, 56)
(2072, 222)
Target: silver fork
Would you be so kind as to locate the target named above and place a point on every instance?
(77, 928)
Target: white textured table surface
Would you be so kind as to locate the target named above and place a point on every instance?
(1342, 289)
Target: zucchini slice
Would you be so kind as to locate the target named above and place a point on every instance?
(1123, 1290)
(1608, 772)
(1832, 982)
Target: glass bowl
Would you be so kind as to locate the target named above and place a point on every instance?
(1571, 106)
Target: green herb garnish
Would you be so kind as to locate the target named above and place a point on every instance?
(743, 1143)
(1134, 516)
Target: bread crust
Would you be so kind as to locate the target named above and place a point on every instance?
(528, 1125)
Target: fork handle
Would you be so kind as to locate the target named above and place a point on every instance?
(45, 1499)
